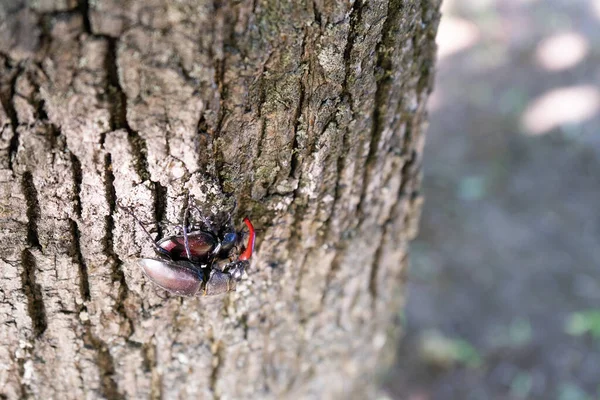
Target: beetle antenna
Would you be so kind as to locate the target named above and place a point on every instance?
(234, 206)
(128, 211)
(206, 221)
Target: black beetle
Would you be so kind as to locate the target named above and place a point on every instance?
(192, 263)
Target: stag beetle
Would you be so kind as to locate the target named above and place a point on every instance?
(200, 260)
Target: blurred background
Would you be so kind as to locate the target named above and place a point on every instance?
(504, 285)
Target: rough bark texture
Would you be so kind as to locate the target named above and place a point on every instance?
(310, 114)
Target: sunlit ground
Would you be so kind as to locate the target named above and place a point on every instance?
(504, 288)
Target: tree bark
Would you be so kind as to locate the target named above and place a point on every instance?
(309, 114)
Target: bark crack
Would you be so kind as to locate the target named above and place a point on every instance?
(117, 98)
(117, 272)
(262, 98)
(7, 104)
(106, 366)
(299, 210)
(33, 209)
(375, 265)
(345, 147)
(427, 31)
(20, 362)
(139, 151)
(83, 7)
(355, 19)
(217, 362)
(220, 67)
(218, 156)
(33, 291)
(160, 206)
(77, 181)
(294, 163)
(150, 364)
(333, 269)
(317, 13)
(383, 83)
(118, 111)
(84, 283)
(205, 142)
(407, 175)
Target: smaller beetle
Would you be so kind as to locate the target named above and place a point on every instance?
(190, 264)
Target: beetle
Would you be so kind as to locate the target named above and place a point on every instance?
(193, 263)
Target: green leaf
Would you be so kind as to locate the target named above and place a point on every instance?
(584, 322)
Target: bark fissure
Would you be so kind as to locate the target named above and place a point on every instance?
(355, 20)
(84, 283)
(219, 78)
(150, 364)
(294, 162)
(317, 14)
(117, 272)
(262, 100)
(218, 157)
(139, 151)
(383, 83)
(410, 172)
(295, 171)
(217, 362)
(334, 267)
(111, 198)
(35, 301)
(340, 164)
(6, 99)
(84, 9)
(204, 146)
(118, 111)
(25, 394)
(106, 366)
(407, 173)
(160, 206)
(298, 286)
(117, 98)
(346, 97)
(33, 209)
(426, 30)
(77, 181)
(375, 267)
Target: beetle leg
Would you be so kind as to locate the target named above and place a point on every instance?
(210, 227)
(206, 221)
(218, 282)
(236, 269)
(186, 241)
(224, 281)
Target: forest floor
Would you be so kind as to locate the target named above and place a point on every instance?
(504, 285)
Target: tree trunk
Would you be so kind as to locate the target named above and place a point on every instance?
(309, 114)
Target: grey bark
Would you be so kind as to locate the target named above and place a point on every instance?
(309, 114)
